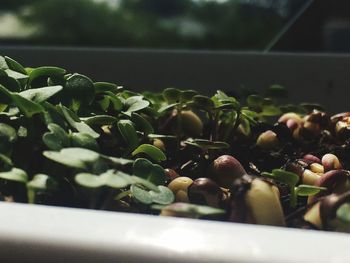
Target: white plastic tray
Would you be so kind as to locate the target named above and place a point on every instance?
(32, 233)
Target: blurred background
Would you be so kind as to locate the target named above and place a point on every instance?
(174, 24)
(34, 32)
(259, 25)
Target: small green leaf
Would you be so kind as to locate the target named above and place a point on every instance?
(73, 157)
(155, 153)
(207, 210)
(84, 140)
(250, 115)
(88, 180)
(138, 105)
(245, 125)
(41, 94)
(85, 155)
(100, 120)
(142, 167)
(191, 210)
(45, 72)
(15, 174)
(16, 75)
(154, 173)
(128, 133)
(14, 65)
(171, 95)
(116, 179)
(277, 91)
(5, 160)
(22, 132)
(110, 178)
(116, 102)
(58, 157)
(101, 87)
(11, 84)
(3, 64)
(343, 213)
(167, 107)
(225, 106)
(271, 110)
(104, 103)
(307, 190)
(132, 99)
(41, 182)
(128, 93)
(141, 123)
(222, 98)
(3, 73)
(27, 107)
(312, 106)
(7, 133)
(78, 125)
(208, 145)
(3, 107)
(141, 195)
(121, 195)
(145, 183)
(289, 178)
(254, 101)
(164, 197)
(57, 138)
(187, 95)
(81, 88)
(116, 161)
(84, 128)
(203, 102)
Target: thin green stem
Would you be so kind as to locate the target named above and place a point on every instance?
(31, 196)
(293, 196)
(234, 126)
(179, 124)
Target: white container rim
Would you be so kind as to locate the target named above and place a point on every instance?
(55, 234)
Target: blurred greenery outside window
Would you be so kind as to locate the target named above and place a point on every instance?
(174, 24)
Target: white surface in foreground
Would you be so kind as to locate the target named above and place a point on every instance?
(51, 234)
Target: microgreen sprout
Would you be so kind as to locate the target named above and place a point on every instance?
(291, 180)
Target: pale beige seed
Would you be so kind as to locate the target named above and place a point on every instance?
(341, 125)
(159, 144)
(267, 140)
(290, 116)
(309, 177)
(317, 168)
(179, 186)
(263, 202)
(292, 124)
(330, 162)
(313, 216)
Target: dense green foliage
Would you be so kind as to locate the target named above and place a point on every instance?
(69, 141)
(66, 140)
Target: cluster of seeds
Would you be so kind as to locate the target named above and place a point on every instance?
(66, 140)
